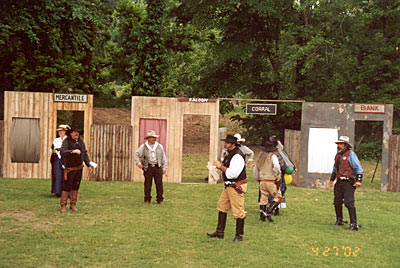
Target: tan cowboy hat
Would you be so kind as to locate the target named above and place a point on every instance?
(344, 139)
(151, 134)
(239, 138)
(63, 127)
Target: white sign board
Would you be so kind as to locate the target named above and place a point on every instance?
(322, 149)
(369, 108)
(59, 97)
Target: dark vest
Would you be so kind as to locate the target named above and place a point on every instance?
(74, 160)
(343, 168)
(227, 162)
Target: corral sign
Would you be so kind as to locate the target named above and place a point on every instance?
(265, 109)
(369, 108)
(59, 97)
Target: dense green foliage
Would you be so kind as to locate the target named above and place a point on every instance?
(324, 51)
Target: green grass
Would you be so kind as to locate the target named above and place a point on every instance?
(114, 229)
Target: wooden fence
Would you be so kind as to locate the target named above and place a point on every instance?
(394, 166)
(292, 147)
(111, 149)
(1, 147)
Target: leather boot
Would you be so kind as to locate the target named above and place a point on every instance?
(219, 233)
(271, 206)
(276, 213)
(63, 201)
(74, 200)
(339, 222)
(353, 219)
(263, 208)
(239, 230)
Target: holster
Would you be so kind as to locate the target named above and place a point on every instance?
(237, 186)
(68, 169)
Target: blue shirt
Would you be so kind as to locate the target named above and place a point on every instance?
(354, 163)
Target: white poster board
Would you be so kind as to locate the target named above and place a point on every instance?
(321, 149)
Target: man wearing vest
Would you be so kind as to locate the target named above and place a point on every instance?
(233, 169)
(347, 172)
(150, 157)
(73, 149)
(268, 172)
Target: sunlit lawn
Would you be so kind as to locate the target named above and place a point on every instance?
(114, 229)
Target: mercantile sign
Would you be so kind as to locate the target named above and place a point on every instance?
(61, 97)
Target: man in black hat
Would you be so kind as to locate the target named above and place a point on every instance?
(348, 173)
(233, 168)
(268, 172)
(74, 151)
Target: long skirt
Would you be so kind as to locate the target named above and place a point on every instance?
(57, 177)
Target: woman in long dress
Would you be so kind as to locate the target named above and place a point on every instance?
(58, 165)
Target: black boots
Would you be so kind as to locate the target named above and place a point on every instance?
(219, 233)
(263, 214)
(239, 230)
(339, 221)
(270, 207)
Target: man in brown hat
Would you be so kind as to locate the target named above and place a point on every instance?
(268, 172)
(347, 172)
(233, 169)
(74, 151)
(150, 157)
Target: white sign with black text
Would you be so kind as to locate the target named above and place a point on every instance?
(60, 97)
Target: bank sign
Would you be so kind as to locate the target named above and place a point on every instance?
(369, 108)
(59, 97)
(265, 109)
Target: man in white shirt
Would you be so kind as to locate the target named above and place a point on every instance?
(150, 157)
(267, 170)
(233, 169)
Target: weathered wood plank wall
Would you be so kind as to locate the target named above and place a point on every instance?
(42, 106)
(292, 147)
(1, 147)
(111, 149)
(173, 111)
(394, 164)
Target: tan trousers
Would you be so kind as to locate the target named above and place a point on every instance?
(267, 188)
(231, 199)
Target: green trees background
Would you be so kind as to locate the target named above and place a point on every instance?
(324, 51)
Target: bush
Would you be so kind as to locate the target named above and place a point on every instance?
(369, 150)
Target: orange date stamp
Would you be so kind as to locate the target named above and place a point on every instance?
(336, 251)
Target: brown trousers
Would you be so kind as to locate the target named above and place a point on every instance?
(231, 199)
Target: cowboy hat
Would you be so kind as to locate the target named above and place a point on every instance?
(344, 139)
(230, 138)
(63, 127)
(151, 134)
(74, 128)
(269, 147)
(239, 138)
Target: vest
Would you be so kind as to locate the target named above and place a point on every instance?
(227, 162)
(343, 168)
(146, 156)
(74, 160)
(266, 172)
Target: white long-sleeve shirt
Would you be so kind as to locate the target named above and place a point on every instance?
(235, 167)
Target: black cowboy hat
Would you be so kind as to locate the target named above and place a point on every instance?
(230, 138)
(269, 147)
(75, 128)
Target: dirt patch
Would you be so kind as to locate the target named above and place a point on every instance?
(196, 135)
(111, 116)
(26, 218)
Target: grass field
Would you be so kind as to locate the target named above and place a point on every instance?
(114, 229)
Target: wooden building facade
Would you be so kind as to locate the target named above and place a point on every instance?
(172, 110)
(41, 106)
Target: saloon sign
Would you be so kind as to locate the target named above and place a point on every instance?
(369, 108)
(265, 109)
